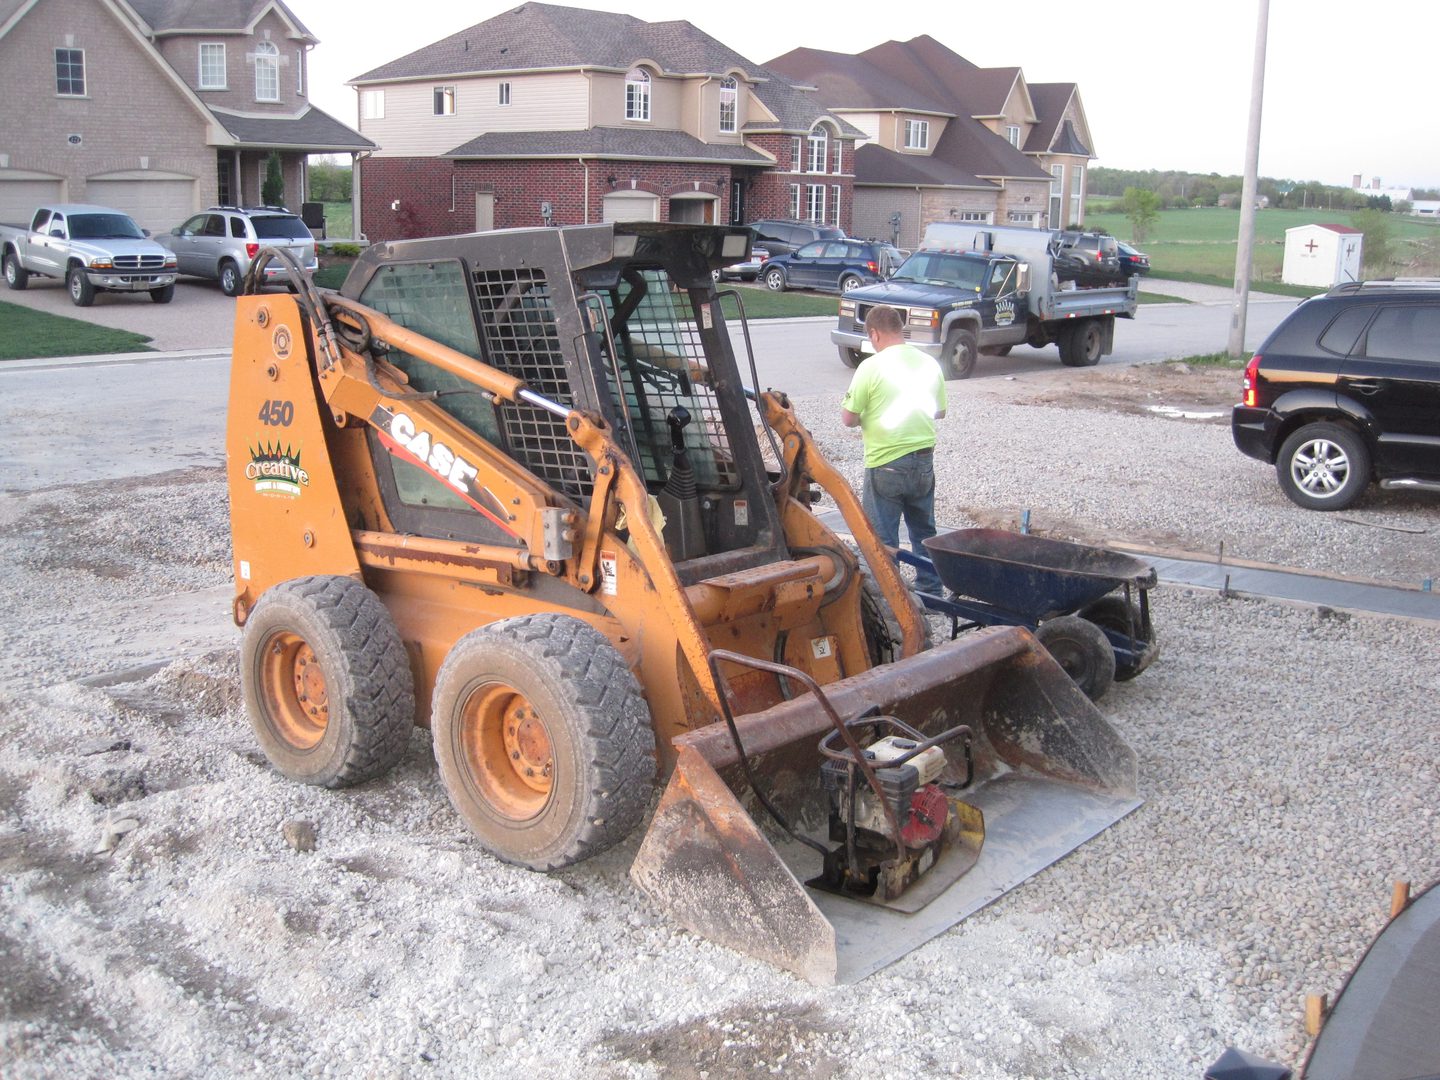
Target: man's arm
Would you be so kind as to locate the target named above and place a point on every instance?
(848, 418)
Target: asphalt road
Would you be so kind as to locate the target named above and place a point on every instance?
(67, 420)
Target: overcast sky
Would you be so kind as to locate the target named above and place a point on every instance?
(1349, 88)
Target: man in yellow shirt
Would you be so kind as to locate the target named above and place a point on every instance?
(895, 398)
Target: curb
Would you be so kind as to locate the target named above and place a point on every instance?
(42, 363)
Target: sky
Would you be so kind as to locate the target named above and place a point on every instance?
(1164, 84)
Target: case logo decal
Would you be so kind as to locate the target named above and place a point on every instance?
(276, 471)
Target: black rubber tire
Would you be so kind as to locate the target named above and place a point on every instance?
(883, 636)
(1081, 648)
(775, 279)
(1083, 345)
(1323, 466)
(365, 673)
(957, 359)
(163, 295)
(851, 358)
(850, 282)
(596, 731)
(16, 276)
(82, 293)
(1122, 616)
(231, 280)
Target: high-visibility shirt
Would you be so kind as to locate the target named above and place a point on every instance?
(896, 393)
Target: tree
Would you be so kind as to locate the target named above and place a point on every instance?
(1141, 208)
(329, 182)
(1375, 224)
(272, 192)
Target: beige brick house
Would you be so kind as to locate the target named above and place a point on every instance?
(156, 107)
(558, 115)
(946, 140)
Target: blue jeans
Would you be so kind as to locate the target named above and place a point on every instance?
(905, 488)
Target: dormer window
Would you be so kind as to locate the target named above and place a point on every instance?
(917, 134)
(818, 150)
(637, 94)
(1012, 132)
(267, 72)
(729, 97)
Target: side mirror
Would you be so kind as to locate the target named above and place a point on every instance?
(175, 231)
(58, 233)
(1022, 280)
(144, 232)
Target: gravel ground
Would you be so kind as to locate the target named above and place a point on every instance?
(162, 909)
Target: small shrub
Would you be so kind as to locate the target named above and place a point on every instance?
(342, 250)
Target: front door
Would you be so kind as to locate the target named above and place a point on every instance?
(484, 211)
(1003, 311)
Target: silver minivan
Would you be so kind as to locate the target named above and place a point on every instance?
(221, 242)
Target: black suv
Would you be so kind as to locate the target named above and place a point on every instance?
(836, 265)
(1089, 259)
(1346, 391)
(781, 236)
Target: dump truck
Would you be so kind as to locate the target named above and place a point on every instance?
(979, 290)
(514, 487)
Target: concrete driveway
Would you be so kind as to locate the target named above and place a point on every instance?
(200, 316)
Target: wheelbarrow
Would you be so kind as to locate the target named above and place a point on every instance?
(1088, 606)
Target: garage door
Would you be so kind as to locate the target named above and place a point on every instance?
(157, 205)
(19, 199)
(631, 206)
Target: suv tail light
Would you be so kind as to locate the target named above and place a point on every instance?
(252, 249)
(1252, 374)
(873, 267)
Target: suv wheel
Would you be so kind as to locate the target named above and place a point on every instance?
(775, 280)
(230, 278)
(1323, 467)
(849, 282)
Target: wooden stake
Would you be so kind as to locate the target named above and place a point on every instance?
(1399, 898)
(1316, 1006)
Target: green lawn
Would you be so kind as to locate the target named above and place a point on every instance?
(761, 303)
(338, 216)
(1199, 245)
(26, 334)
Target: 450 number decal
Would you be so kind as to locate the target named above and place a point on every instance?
(277, 413)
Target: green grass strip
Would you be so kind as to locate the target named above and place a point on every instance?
(26, 334)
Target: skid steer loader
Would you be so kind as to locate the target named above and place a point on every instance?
(513, 487)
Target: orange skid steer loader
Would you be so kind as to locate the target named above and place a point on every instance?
(512, 487)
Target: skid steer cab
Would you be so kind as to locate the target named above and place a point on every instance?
(514, 487)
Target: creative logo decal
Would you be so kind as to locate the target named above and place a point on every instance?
(1004, 311)
(280, 342)
(276, 471)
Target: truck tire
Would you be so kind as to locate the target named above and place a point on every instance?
(164, 294)
(957, 359)
(16, 276)
(1323, 466)
(1083, 345)
(231, 280)
(883, 637)
(544, 739)
(851, 357)
(327, 681)
(81, 291)
(1082, 650)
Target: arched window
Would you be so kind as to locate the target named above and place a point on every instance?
(729, 95)
(819, 146)
(267, 72)
(637, 94)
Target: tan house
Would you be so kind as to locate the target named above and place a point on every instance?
(156, 107)
(946, 140)
(558, 115)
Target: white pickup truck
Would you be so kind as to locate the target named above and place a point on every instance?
(92, 249)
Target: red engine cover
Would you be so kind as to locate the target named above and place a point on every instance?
(928, 810)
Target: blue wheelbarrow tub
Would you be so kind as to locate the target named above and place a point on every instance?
(1031, 575)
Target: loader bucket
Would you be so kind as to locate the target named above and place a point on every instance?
(1049, 774)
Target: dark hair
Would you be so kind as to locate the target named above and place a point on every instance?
(885, 320)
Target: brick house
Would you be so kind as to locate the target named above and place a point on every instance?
(156, 107)
(559, 115)
(946, 140)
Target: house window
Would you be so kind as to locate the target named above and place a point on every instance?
(637, 95)
(504, 93)
(1057, 182)
(267, 72)
(300, 72)
(819, 151)
(835, 205)
(372, 104)
(1012, 132)
(1077, 193)
(982, 216)
(797, 160)
(839, 157)
(815, 203)
(444, 101)
(794, 200)
(70, 72)
(212, 66)
(1022, 217)
(224, 171)
(729, 96)
(917, 134)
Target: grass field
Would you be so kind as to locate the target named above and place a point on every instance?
(338, 220)
(1199, 245)
(26, 334)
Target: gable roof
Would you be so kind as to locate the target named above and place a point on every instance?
(311, 130)
(169, 17)
(876, 165)
(854, 82)
(1053, 133)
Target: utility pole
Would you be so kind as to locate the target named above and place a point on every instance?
(1246, 243)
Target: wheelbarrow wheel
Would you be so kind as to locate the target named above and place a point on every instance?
(1082, 650)
(1121, 616)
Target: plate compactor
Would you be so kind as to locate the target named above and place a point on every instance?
(513, 487)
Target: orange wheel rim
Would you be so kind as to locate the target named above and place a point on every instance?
(507, 751)
(294, 689)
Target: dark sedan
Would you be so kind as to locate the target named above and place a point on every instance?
(1133, 262)
(834, 265)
